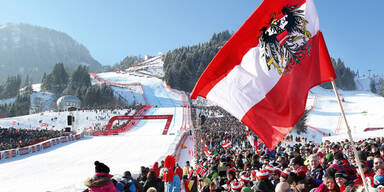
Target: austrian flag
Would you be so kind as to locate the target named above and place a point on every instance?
(262, 75)
(227, 144)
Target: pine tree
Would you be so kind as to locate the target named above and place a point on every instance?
(372, 85)
(300, 125)
(57, 80)
(28, 85)
(11, 87)
(183, 66)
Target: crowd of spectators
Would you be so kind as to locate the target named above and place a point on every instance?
(302, 166)
(11, 138)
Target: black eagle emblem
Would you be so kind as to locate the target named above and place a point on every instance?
(285, 40)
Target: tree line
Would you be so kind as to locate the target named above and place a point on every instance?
(183, 66)
(60, 83)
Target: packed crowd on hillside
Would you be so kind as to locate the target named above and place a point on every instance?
(11, 138)
(302, 166)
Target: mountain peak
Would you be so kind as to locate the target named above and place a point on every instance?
(29, 49)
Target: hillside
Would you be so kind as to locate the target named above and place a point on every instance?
(27, 49)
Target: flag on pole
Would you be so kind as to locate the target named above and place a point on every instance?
(203, 143)
(201, 171)
(262, 75)
(207, 152)
(226, 144)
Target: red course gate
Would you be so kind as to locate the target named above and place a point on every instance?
(109, 131)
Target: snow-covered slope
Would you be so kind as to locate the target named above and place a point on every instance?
(65, 167)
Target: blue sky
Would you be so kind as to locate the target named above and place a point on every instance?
(114, 29)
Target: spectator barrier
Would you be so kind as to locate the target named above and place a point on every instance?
(6, 154)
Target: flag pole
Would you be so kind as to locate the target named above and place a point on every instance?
(350, 136)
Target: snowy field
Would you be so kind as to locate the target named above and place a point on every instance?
(66, 166)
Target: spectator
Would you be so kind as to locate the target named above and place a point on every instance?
(130, 183)
(342, 180)
(153, 182)
(378, 163)
(315, 170)
(101, 181)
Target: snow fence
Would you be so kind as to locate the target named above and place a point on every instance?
(6, 154)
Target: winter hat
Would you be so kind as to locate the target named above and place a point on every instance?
(263, 174)
(235, 186)
(231, 172)
(342, 174)
(335, 166)
(329, 157)
(330, 171)
(253, 173)
(285, 173)
(379, 177)
(269, 168)
(101, 167)
(245, 178)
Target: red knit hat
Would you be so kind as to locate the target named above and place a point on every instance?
(245, 178)
(253, 173)
(285, 173)
(269, 168)
(263, 174)
(235, 186)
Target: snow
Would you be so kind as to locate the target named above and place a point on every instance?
(65, 168)
(42, 101)
(362, 109)
(36, 87)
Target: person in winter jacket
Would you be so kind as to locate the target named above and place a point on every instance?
(101, 181)
(153, 181)
(329, 185)
(342, 180)
(315, 169)
(130, 183)
(368, 174)
(172, 181)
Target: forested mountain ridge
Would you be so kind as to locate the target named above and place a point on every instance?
(27, 49)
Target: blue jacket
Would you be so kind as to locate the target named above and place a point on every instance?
(174, 186)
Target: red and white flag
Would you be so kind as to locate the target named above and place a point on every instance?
(227, 144)
(203, 143)
(207, 152)
(262, 75)
(201, 171)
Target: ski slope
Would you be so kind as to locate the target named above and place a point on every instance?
(362, 109)
(66, 166)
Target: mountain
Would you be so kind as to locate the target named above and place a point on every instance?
(27, 49)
